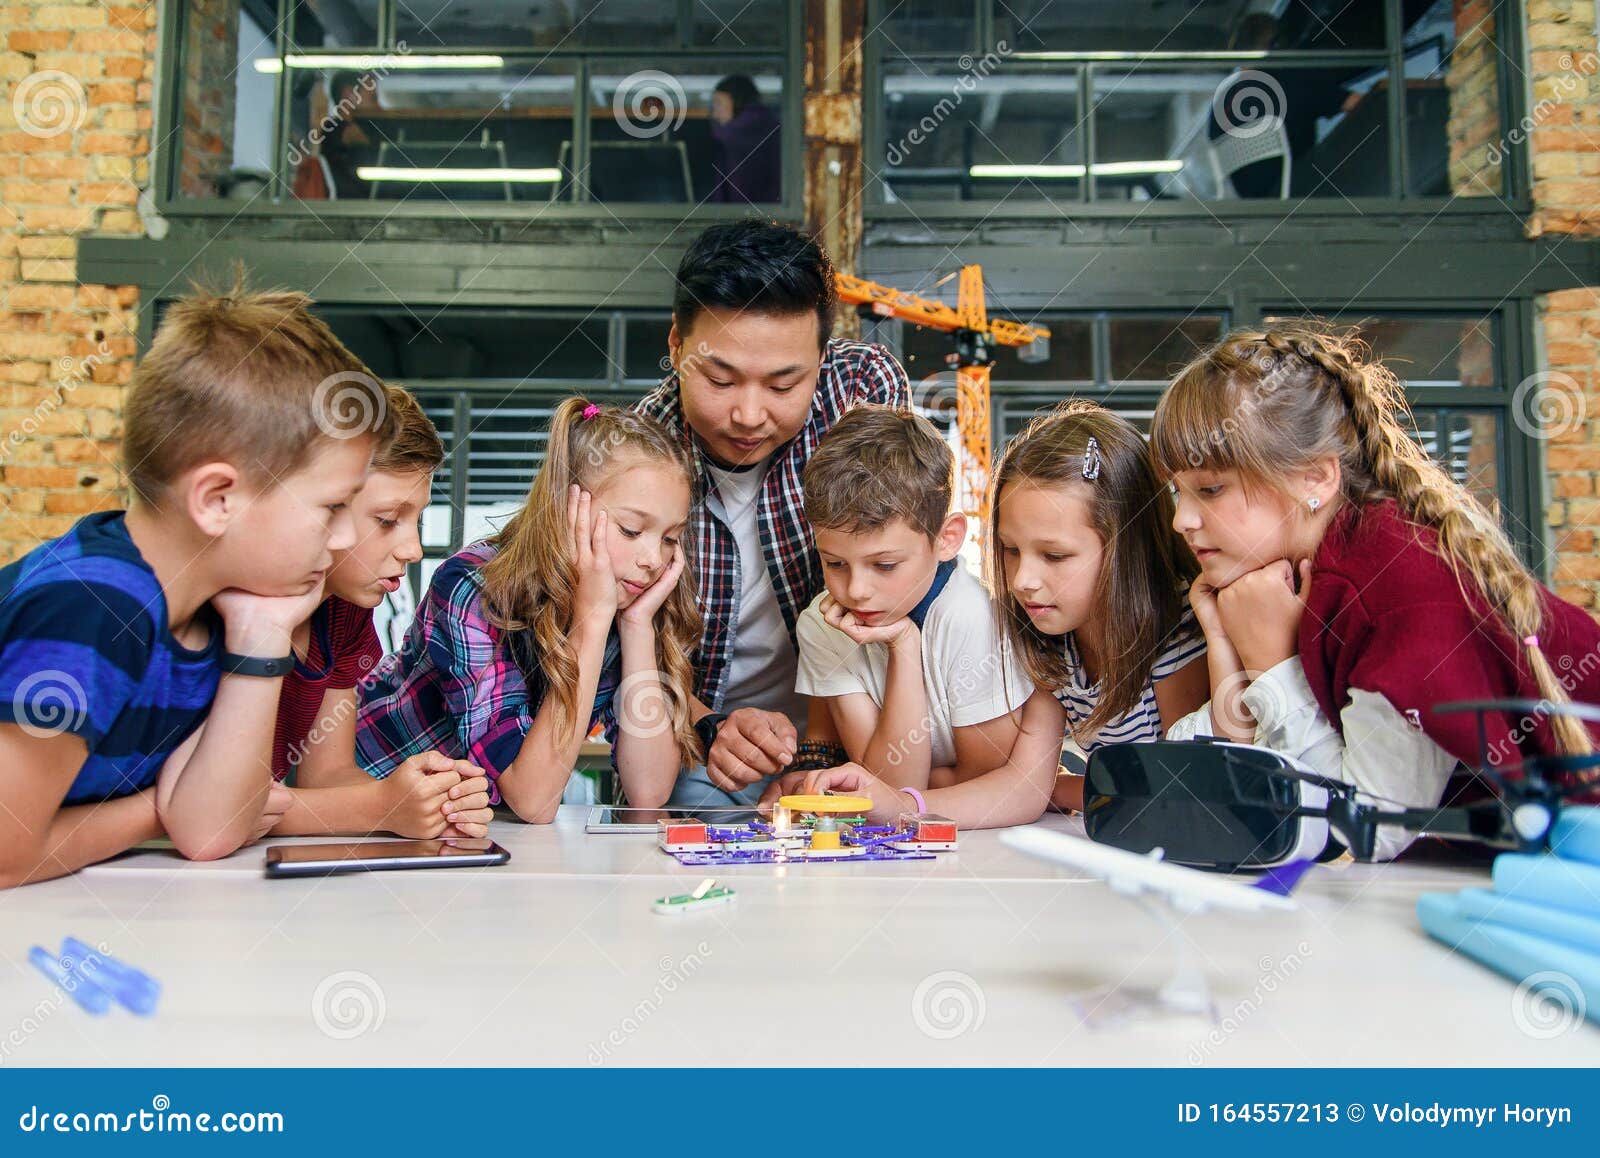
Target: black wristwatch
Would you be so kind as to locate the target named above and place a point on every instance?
(249, 665)
(706, 728)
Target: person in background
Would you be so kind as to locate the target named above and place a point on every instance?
(749, 158)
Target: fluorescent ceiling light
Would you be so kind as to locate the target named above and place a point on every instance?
(385, 62)
(457, 176)
(1100, 168)
(1135, 57)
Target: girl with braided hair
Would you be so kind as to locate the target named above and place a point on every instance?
(1348, 584)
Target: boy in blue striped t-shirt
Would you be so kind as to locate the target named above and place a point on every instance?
(141, 653)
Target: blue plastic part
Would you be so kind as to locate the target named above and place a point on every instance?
(134, 989)
(88, 996)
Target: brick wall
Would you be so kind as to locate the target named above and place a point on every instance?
(74, 134)
(75, 115)
(1563, 125)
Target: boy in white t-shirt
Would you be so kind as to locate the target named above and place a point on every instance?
(903, 645)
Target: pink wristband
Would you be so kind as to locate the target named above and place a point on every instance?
(922, 805)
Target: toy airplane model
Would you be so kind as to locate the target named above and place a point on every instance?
(1184, 891)
(831, 831)
(1187, 890)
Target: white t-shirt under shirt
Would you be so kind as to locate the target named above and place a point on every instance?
(762, 671)
(969, 673)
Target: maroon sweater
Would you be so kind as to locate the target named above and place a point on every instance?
(1386, 615)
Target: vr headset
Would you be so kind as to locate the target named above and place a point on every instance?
(1213, 804)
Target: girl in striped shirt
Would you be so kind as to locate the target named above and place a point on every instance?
(1091, 581)
(1090, 584)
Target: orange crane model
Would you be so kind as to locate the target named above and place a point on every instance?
(976, 335)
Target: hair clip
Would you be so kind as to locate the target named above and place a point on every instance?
(1530, 641)
(590, 411)
(1091, 459)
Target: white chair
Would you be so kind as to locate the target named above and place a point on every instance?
(1232, 152)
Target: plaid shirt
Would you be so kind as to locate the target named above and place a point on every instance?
(453, 686)
(852, 372)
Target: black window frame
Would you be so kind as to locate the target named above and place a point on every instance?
(1513, 199)
(280, 202)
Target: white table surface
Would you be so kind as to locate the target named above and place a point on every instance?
(557, 959)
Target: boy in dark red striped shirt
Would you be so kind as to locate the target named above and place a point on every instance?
(337, 650)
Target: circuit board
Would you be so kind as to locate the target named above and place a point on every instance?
(914, 836)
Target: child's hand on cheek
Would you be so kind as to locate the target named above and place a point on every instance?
(1203, 602)
(901, 632)
(596, 602)
(642, 611)
(1260, 612)
(262, 625)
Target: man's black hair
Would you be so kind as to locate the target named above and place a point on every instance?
(759, 266)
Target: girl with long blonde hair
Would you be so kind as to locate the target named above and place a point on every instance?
(1347, 583)
(581, 609)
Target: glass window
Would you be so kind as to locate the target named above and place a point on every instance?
(1181, 25)
(909, 26)
(420, 344)
(1467, 443)
(522, 24)
(1453, 103)
(1430, 351)
(1014, 412)
(954, 134)
(739, 23)
(1070, 358)
(1281, 133)
(228, 91)
(333, 23)
(709, 131)
(1191, 25)
(1152, 349)
(644, 348)
(394, 134)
